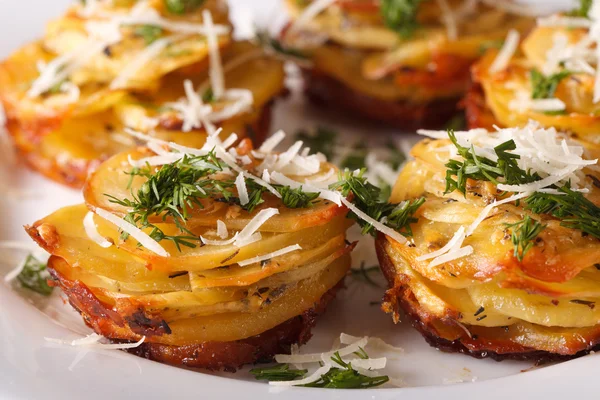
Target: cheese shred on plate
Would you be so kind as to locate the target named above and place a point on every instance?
(353, 344)
(94, 341)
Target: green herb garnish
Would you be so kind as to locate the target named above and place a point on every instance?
(524, 234)
(571, 207)
(574, 210)
(280, 372)
(583, 10)
(170, 193)
(544, 87)
(484, 169)
(34, 276)
(265, 40)
(149, 33)
(401, 15)
(368, 199)
(182, 6)
(208, 96)
(176, 188)
(345, 377)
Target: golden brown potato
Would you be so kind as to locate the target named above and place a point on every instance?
(201, 303)
(392, 73)
(65, 126)
(494, 301)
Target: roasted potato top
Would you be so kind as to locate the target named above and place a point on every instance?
(417, 55)
(521, 254)
(194, 240)
(552, 80)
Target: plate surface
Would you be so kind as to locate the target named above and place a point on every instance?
(32, 368)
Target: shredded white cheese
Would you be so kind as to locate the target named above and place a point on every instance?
(92, 232)
(94, 341)
(134, 231)
(216, 68)
(269, 256)
(150, 53)
(222, 231)
(506, 52)
(240, 184)
(272, 142)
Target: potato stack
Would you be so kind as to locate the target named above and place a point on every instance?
(401, 63)
(502, 270)
(233, 271)
(167, 68)
(551, 78)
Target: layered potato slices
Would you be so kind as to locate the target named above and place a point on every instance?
(167, 68)
(552, 79)
(504, 259)
(404, 63)
(212, 258)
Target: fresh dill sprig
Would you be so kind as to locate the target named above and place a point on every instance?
(170, 193)
(368, 199)
(401, 16)
(342, 377)
(176, 188)
(34, 276)
(266, 41)
(291, 198)
(279, 372)
(182, 6)
(346, 377)
(150, 33)
(583, 10)
(504, 170)
(571, 207)
(544, 87)
(524, 234)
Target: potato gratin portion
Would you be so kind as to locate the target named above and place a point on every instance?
(167, 68)
(405, 63)
(503, 261)
(553, 79)
(213, 257)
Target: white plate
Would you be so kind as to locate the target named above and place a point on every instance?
(31, 368)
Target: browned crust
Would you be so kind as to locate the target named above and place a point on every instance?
(228, 356)
(324, 90)
(399, 298)
(74, 174)
(477, 113)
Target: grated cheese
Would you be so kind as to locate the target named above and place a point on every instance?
(450, 256)
(269, 256)
(222, 229)
(449, 19)
(506, 52)
(92, 232)
(134, 231)
(318, 357)
(556, 159)
(240, 184)
(150, 53)
(376, 224)
(216, 68)
(272, 142)
(93, 341)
